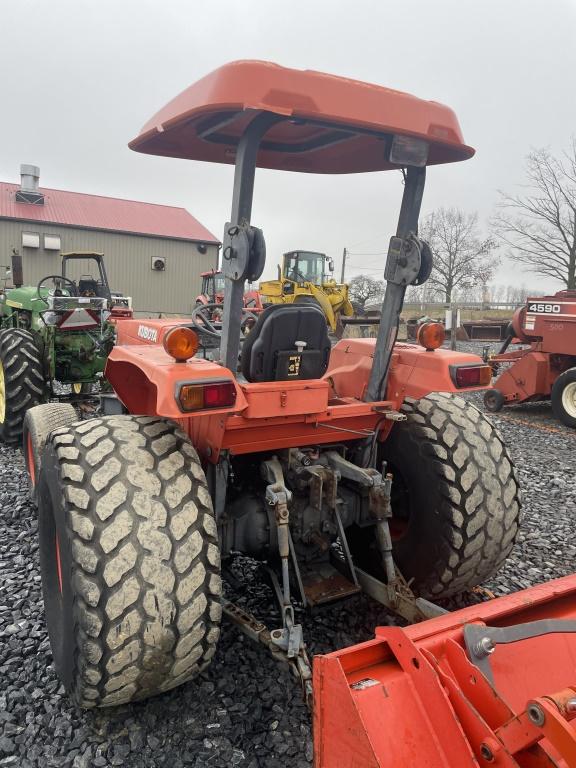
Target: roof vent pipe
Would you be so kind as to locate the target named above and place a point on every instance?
(29, 177)
(29, 191)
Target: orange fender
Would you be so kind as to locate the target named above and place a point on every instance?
(146, 379)
(414, 372)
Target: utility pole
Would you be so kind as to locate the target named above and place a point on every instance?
(344, 254)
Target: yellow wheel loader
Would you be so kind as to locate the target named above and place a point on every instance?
(304, 278)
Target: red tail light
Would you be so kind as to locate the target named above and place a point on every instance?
(219, 395)
(215, 394)
(471, 375)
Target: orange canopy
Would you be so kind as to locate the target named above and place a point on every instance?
(333, 125)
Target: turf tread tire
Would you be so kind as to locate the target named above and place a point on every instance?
(39, 422)
(467, 495)
(24, 382)
(140, 558)
(479, 506)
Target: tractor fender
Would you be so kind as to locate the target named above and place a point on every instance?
(414, 372)
(147, 381)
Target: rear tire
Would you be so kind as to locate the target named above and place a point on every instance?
(454, 498)
(130, 559)
(21, 381)
(564, 398)
(38, 423)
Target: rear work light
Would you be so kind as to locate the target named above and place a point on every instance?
(212, 394)
(471, 375)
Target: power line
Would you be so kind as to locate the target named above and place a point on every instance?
(365, 269)
(371, 239)
(379, 253)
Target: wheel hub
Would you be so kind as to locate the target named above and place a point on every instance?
(2, 396)
(568, 399)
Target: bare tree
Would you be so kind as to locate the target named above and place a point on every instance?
(539, 224)
(463, 261)
(363, 288)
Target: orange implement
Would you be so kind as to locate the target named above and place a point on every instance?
(470, 688)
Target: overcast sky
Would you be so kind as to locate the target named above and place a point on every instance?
(80, 78)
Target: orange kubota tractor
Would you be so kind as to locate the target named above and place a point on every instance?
(350, 468)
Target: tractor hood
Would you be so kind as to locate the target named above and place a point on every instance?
(25, 297)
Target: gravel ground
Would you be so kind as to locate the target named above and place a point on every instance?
(245, 710)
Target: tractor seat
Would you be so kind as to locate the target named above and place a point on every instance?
(87, 287)
(288, 342)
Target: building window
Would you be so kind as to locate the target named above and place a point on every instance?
(52, 242)
(30, 240)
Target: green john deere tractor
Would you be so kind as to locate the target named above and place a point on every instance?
(56, 331)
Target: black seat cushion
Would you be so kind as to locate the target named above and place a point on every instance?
(87, 287)
(270, 352)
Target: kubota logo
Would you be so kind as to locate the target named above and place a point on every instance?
(148, 334)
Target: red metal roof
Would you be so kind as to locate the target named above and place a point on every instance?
(330, 124)
(76, 209)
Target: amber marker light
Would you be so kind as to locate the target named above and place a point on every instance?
(431, 335)
(181, 343)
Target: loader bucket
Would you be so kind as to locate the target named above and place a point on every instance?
(489, 685)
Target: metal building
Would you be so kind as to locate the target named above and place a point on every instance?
(154, 253)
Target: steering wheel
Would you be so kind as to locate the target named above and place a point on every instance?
(55, 279)
(203, 322)
(300, 277)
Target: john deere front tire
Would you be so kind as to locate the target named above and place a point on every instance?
(21, 381)
(39, 422)
(455, 498)
(130, 559)
(564, 398)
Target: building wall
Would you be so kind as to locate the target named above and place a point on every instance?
(128, 260)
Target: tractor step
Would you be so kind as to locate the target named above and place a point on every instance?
(324, 584)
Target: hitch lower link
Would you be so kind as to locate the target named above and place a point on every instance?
(396, 593)
(290, 639)
(286, 644)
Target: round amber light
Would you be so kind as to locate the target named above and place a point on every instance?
(431, 335)
(181, 343)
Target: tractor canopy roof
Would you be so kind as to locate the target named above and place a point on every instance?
(82, 255)
(332, 124)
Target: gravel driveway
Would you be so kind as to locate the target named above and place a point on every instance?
(245, 710)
